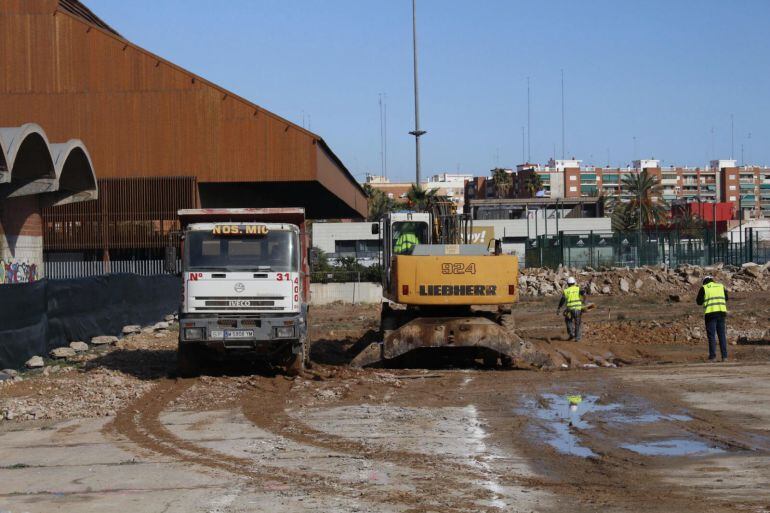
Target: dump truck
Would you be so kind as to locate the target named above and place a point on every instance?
(443, 297)
(245, 287)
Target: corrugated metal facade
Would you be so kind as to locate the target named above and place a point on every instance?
(142, 116)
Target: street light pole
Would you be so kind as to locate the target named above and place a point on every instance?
(416, 132)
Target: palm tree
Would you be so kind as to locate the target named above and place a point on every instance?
(379, 205)
(533, 184)
(503, 181)
(420, 199)
(645, 191)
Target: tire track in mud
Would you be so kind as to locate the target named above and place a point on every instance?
(140, 423)
(272, 417)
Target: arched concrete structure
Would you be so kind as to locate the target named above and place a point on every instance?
(76, 180)
(33, 174)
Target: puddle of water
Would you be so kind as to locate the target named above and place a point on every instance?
(561, 423)
(562, 418)
(672, 448)
(648, 418)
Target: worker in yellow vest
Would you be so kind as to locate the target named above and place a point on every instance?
(572, 299)
(406, 241)
(713, 297)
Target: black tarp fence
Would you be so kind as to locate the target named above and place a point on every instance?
(40, 316)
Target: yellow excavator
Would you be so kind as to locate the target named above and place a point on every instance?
(446, 300)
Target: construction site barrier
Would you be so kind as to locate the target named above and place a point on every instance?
(38, 317)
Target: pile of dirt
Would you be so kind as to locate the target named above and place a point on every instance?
(647, 280)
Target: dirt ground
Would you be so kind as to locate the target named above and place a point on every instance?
(655, 427)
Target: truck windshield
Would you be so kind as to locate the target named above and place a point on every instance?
(276, 251)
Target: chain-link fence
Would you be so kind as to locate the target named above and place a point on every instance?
(634, 249)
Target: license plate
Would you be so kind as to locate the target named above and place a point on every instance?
(231, 334)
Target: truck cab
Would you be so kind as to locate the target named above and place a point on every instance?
(245, 287)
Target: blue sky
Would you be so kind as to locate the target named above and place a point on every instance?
(665, 72)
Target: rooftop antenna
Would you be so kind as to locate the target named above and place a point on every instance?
(713, 155)
(385, 131)
(529, 126)
(382, 137)
(416, 132)
(732, 138)
(523, 147)
(562, 115)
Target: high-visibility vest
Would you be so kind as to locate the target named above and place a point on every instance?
(714, 298)
(405, 243)
(572, 296)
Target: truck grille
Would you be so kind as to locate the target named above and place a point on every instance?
(238, 302)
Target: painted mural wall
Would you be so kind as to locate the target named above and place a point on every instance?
(21, 240)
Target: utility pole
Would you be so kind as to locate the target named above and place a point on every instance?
(416, 132)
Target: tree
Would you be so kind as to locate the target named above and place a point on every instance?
(379, 205)
(690, 224)
(503, 182)
(419, 198)
(645, 191)
(533, 184)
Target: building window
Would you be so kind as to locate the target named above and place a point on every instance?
(345, 248)
(732, 177)
(732, 187)
(572, 178)
(732, 198)
(573, 189)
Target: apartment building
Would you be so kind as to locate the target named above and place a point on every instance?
(446, 184)
(746, 188)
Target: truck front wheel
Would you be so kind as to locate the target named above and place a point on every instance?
(188, 361)
(300, 361)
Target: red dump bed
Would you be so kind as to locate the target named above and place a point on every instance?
(292, 215)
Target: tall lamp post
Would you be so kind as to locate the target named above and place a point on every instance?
(416, 132)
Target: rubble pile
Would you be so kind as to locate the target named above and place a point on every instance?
(648, 280)
(70, 394)
(82, 380)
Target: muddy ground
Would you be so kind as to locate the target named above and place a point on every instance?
(656, 429)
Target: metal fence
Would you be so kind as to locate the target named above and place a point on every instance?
(634, 249)
(57, 270)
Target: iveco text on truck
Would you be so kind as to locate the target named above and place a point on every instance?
(246, 291)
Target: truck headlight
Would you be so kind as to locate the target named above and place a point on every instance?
(284, 332)
(193, 333)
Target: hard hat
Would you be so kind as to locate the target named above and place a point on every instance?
(707, 279)
(570, 280)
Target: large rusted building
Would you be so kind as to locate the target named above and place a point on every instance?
(160, 137)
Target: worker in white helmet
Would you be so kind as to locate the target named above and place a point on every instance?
(572, 299)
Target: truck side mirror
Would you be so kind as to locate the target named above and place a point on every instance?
(375, 228)
(169, 261)
(312, 257)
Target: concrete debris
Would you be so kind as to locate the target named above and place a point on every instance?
(35, 362)
(11, 372)
(78, 346)
(647, 281)
(62, 352)
(162, 325)
(131, 328)
(103, 340)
